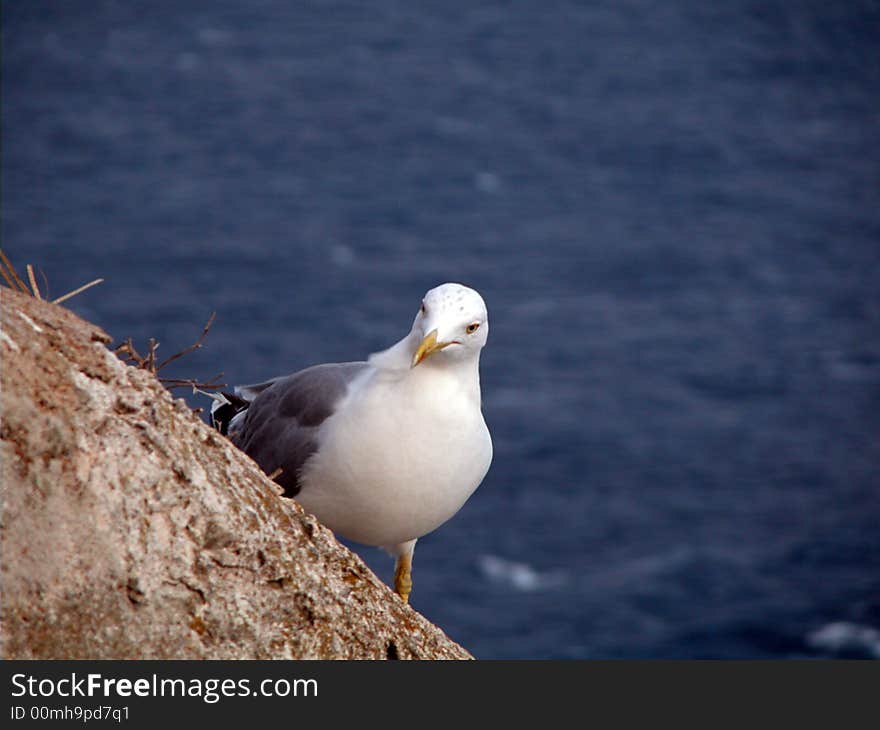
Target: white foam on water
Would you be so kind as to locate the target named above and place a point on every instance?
(520, 576)
(843, 637)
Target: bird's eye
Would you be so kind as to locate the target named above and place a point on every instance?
(423, 309)
(471, 328)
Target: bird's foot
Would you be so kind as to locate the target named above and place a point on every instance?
(403, 577)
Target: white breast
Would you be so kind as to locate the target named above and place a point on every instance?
(399, 458)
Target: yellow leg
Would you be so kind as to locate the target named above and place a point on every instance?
(403, 577)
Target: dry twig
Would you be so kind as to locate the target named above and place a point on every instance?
(131, 356)
(14, 281)
(11, 275)
(212, 384)
(45, 283)
(33, 281)
(195, 346)
(76, 291)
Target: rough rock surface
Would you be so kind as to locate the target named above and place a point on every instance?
(131, 530)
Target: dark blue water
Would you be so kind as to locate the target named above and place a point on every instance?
(672, 210)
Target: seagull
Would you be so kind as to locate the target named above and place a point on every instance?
(381, 451)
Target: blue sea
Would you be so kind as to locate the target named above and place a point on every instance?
(671, 208)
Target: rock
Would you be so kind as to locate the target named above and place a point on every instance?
(131, 530)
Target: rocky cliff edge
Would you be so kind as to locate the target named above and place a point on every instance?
(129, 529)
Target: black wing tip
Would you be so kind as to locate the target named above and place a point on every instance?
(223, 413)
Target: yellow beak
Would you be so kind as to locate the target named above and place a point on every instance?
(428, 347)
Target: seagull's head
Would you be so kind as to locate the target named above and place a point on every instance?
(452, 323)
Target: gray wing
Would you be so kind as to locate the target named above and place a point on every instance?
(280, 426)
